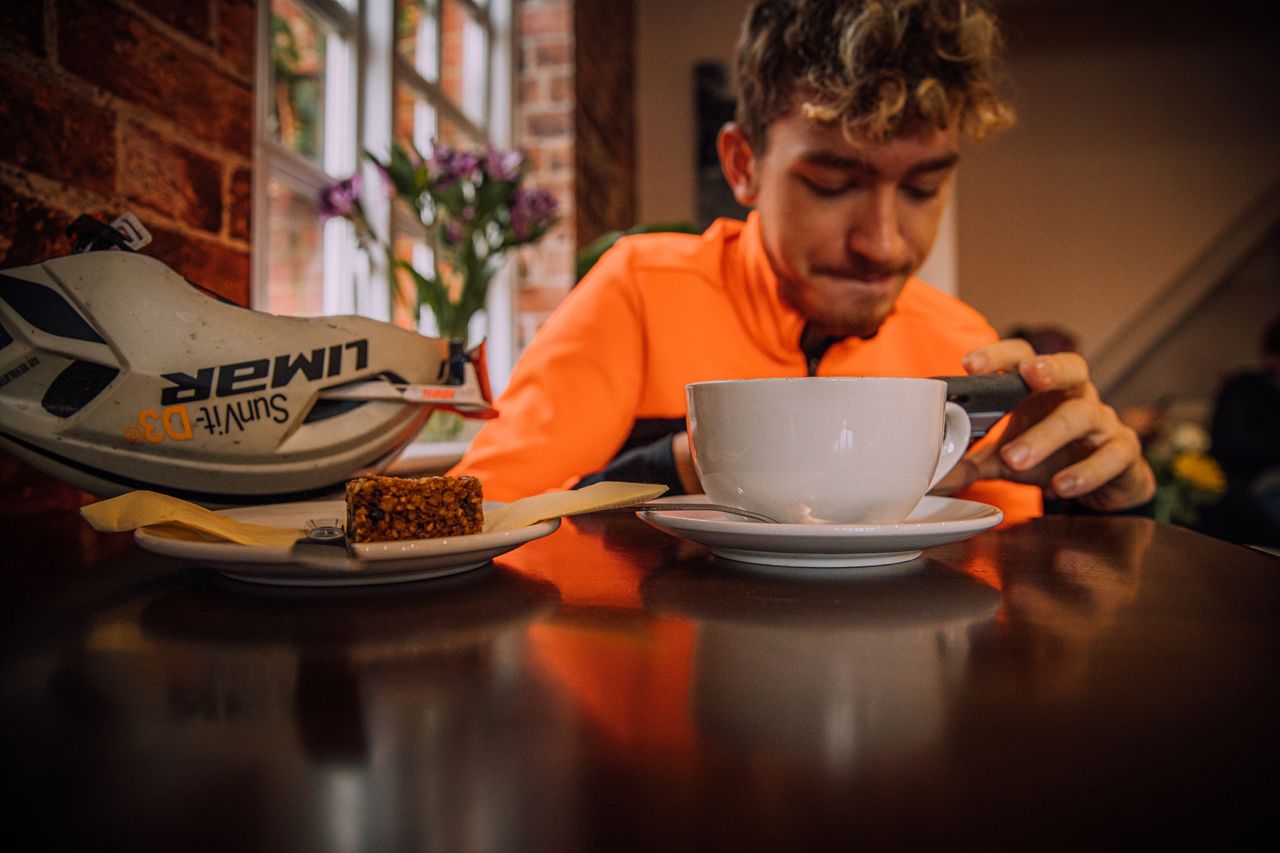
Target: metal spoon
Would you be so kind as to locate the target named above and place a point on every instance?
(698, 507)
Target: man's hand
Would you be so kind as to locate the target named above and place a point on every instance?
(1062, 437)
(685, 468)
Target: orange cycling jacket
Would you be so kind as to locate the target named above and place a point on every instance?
(607, 372)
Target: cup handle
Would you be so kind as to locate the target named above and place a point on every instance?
(955, 441)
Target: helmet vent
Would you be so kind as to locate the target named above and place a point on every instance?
(46, 309)
(75, 386)
(325, 409)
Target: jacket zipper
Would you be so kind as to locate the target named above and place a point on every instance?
(814, 353)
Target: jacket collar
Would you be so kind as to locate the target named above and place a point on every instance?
(775, 326)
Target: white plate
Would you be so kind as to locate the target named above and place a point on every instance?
(326, 565)
(935, 521)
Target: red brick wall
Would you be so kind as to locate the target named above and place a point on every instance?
(544, 131)
(113, 105)
(575, 118)
(147, 105)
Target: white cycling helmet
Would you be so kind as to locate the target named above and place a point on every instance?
(118, 374)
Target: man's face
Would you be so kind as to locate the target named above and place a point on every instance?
(845, 224)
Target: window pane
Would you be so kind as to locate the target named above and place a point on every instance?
(416, 31)
(464, 60)
(451, 133)
(420, 123)
(402, 302)
(295, 273)
(415, 120)
(298, 80)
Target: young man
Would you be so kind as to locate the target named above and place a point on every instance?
(846, 142)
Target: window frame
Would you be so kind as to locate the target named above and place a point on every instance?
(363, 120)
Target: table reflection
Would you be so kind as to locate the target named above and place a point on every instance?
(386, 712)
(1063, 593)
(1051, 684)
(845, 671)
(1073, 591)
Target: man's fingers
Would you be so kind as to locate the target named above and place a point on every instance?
(1002, 355)
(985, 464)
(1064, 371)
(1062, 436)
(1113, 459)
(1073, 419)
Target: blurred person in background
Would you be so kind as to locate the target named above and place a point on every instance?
(1046, 339)
(1245, 439)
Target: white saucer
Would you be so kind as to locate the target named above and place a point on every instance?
(326, 565)
(935, 521)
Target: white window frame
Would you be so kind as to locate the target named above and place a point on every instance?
(362, 69)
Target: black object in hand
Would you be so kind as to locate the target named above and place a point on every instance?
(986, 398)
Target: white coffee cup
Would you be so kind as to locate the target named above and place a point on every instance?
(843, 450)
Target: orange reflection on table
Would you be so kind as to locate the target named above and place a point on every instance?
(626, 672)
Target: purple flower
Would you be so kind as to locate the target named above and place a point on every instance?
(452, 232)
(388, 182)
(340, 198)
(448, 166)
(532, 212)
(502, 165)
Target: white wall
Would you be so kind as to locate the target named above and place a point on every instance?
(1134, 150)
(672, 37)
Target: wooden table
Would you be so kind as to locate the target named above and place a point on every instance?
(1071, 683)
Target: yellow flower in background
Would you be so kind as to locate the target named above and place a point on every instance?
(1201, 471)
(1188, 478)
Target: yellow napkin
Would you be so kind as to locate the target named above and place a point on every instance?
(146, 509)
(598, 496)
(151, 509)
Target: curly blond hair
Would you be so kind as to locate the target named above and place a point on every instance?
(874, 66)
